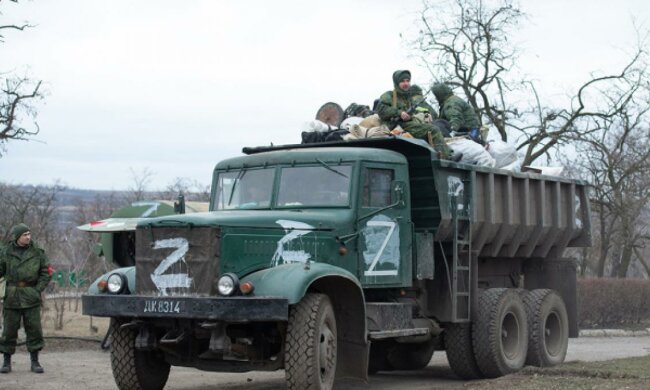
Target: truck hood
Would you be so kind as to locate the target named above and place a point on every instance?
(250, 240)
(318, 219)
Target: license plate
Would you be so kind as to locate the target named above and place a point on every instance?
(163, 306)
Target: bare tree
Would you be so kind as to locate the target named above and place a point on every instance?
(466, 44)
(18, 97)
(140, 182)
(34, 205)
(192, 190)
(617, 163)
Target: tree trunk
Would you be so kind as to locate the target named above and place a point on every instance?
(626, 259)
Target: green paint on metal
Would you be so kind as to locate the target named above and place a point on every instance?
(293, 280)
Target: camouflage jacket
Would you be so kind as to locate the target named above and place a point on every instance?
(403, 102)
(26, 274)
(459, 113)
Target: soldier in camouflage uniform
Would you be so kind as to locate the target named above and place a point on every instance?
(459, 113)
(393, 106)
(26, 270)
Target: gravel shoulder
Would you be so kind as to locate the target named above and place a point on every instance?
(81, 365)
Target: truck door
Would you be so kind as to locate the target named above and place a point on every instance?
(384, 226)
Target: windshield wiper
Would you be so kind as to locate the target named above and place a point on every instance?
(240, 176)
(323, 163)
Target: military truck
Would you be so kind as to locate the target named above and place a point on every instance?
(337, 260)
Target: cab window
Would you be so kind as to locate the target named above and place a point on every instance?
(377, 187)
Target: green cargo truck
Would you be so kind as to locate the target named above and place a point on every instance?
(337, 260)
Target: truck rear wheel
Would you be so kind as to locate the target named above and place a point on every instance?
(134, 369)
(460, 353)
(311, 344)
(548, 328)
(500, 333)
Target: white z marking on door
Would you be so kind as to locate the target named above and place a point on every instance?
(371, 270)
(163, 282)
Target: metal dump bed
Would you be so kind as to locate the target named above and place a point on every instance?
(512, 214)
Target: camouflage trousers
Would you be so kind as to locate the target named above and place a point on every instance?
(31, 319)
(421, 130)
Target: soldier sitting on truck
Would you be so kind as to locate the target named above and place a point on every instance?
(400, 106)
(459, 113)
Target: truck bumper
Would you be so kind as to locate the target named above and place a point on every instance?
(231, 309)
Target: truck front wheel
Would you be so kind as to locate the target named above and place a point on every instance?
(134, 369)
(460, 353)
(311, 344)
(548, 328)
(500, 333)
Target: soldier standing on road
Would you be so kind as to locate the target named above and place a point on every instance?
(26, 270)
(394, 105)
(459, 113)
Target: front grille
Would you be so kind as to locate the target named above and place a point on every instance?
(177, 261)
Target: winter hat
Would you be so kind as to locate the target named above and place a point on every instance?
(400, 75)
(441, 91)
(19, 230)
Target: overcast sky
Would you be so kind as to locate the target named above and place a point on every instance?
(175, 86)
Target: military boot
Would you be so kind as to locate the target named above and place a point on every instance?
(36, 366)
(6, 366)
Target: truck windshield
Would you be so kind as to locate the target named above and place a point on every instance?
(245, 189)
(324, 185)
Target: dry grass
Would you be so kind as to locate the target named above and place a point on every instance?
(631, 373)
(74, 323)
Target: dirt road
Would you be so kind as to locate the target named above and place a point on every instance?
(90, 369)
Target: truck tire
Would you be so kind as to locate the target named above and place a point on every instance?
(460, 353)
(500, 333)
(311, 344)
(134, 369)
(410, 356)
(548, 328)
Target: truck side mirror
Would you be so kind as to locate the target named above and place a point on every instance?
(179, 205)
(399, 194)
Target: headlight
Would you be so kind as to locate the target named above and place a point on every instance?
(116, 283)
(228, 284)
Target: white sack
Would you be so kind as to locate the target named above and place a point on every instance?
(503, 153)
(348, 122)
(513, 166)
(316, 125)
(473, 153)
(551, 171)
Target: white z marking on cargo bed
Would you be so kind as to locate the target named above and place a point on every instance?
(163, 282)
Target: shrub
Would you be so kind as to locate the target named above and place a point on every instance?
(608, 302)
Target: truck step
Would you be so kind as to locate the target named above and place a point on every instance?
(390, 334)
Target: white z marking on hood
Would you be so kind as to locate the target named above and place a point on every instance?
(293, 229)
(163, 282)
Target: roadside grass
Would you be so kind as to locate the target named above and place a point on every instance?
(629, 373)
